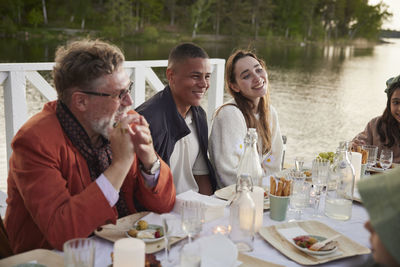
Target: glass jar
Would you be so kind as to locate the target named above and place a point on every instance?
(250, 165)
(340, 189)
(242, 215)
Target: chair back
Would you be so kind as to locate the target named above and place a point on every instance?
(284, 140)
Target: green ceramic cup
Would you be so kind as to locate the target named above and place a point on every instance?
(278, 207)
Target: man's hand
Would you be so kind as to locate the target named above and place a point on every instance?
(131, 135)
(143, 142)
(122, 147)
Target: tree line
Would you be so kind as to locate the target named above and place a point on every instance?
(292, 19)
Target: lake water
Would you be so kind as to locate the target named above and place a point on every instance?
(323, 94)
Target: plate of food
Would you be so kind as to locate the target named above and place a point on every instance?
(305, 243)
(149, 233)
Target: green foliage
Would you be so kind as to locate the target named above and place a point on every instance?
(7, 26)
(35, 17)
(291, 19)
(150, 33)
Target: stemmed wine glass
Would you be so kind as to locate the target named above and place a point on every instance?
(192, 218)
(386, 158)
(320, 169)
(172, 227)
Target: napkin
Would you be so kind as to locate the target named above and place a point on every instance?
(211, 251)
(292, 232)
(214, 208)
(152, 218)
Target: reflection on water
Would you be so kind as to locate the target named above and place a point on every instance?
(322, 94)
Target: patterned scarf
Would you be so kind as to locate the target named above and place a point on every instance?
(97, 159)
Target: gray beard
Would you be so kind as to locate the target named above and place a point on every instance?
(102, 125)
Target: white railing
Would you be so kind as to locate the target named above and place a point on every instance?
(13, 77)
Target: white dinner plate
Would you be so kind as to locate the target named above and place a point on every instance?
(228, 192)
(151, 229)
(312, 252)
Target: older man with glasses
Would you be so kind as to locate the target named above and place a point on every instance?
(87, 158)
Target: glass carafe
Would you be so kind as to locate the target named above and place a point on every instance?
(340, 190)
(250, 161)
(250, 165)
(242, 215)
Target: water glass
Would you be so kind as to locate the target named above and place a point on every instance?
(320, 170)
(386, 158)
(300, 197)
(79, 252)
(372, 154)
(298, 163)
(192, 218)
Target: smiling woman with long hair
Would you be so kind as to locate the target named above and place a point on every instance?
(246, 80)
(384, 131)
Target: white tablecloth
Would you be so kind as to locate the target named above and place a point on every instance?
(353, 228)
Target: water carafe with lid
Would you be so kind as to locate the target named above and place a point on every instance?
(340, 189)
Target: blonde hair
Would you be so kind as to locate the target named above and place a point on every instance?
(245, 105)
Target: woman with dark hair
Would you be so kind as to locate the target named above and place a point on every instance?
(246, 80)
(384, 131)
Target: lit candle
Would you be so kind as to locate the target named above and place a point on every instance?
(356, 162)
(246, 219)
(129, 252)
(222, 230)
(258, 198)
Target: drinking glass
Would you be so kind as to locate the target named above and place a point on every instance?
(372, 154)
(298, 163)
(386, 158)
(300, 193)
(192, 218)
(79, 252)
(320, 169)
(172, 227)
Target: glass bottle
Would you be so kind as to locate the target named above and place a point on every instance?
(340, 190)
(250, 165)
(242, 215)
(250, 161)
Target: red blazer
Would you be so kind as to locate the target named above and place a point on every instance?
(51, 197)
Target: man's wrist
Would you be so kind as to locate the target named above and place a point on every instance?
(153, 168)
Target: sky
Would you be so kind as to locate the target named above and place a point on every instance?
(394, 8)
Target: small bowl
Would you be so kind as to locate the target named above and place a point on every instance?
(312, 252)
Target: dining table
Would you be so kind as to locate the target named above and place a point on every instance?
(352, 229)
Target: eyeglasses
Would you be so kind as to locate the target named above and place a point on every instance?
(121, 94)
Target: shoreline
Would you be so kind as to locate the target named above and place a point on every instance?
(168, 36)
